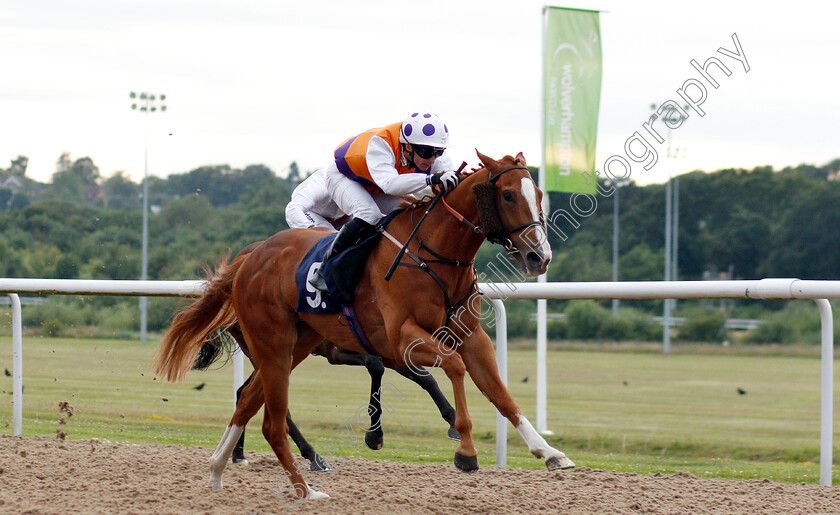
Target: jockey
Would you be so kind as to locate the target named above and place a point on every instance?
(312, 206)
(373, 170)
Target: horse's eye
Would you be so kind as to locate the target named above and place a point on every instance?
(508, 196)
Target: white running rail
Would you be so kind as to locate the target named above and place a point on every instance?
(789, 289)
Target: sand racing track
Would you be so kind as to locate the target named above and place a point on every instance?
(48, 475)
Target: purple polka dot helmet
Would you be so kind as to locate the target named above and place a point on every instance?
(424, 129)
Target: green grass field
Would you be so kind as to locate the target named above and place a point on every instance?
(626, 411)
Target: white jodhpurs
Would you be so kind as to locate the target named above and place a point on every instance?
(299, 218)
(353, 199)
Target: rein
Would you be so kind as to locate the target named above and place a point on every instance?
(410, 236)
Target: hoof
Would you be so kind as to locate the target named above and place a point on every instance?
(373, 439)
(319, 464)
(216, 484)
(453, 434)
(559, 462)
(466, 463)
(240, 461)
(312, 495)
(238, 456)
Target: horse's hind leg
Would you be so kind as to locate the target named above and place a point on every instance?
(239, 449)
(249, 403)
(373, 435)
(374, 365)
(277, 346)
(316, 462)
(276, 370)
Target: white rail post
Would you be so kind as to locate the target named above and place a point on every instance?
(501, 362)
(238, 372)
(17, 365)
(826, 389)
(542, 367)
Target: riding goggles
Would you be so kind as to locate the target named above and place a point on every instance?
(426, 152)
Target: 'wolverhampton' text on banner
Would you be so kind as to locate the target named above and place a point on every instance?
(572, 92)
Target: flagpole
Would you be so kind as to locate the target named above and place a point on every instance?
(559, 86)
(542, 304)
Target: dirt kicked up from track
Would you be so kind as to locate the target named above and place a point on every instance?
(48, 475)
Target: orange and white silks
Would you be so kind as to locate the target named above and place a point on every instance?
(351, 161)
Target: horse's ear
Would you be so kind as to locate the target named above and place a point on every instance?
(520, 159)
(486, 161)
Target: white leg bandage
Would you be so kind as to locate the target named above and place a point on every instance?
(222, 454)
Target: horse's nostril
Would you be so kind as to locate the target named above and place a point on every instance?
(533, 257)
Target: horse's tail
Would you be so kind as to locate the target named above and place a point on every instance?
(224, 341)
(221, 343)
(197, 323)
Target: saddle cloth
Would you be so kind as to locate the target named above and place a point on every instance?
(342, 273)
(311, 300)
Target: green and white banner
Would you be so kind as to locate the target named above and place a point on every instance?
(571, 94)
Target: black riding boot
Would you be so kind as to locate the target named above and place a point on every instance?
(351, 233)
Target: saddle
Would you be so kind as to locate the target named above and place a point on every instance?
(341, 273)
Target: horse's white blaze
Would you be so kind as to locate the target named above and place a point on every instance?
(530, 194)
(536, 443)
(529, 191)
(222, 454)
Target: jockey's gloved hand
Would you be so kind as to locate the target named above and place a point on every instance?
(446, 179)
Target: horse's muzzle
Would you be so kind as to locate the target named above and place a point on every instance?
(536, 264)
(532, 262)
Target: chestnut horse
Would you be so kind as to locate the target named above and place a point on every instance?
(424, 315)
(216, 346)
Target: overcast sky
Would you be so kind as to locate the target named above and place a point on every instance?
(271, 81)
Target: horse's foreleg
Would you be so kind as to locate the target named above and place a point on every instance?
(250, 401)
(418, 348)
(480, 362)
(425, 381)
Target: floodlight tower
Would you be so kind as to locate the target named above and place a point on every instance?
(672, 118)
(146, 103)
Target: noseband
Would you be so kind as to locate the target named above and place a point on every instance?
(490, 221)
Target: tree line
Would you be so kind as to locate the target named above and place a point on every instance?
(733, 223)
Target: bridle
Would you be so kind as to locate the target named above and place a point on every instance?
(490, 226)
(490, 221)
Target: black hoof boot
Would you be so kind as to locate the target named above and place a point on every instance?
(466, 463)
(453, 434)
(319, 464)
(238, 457)
(373, 439)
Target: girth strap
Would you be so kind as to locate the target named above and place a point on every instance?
(356, 329)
